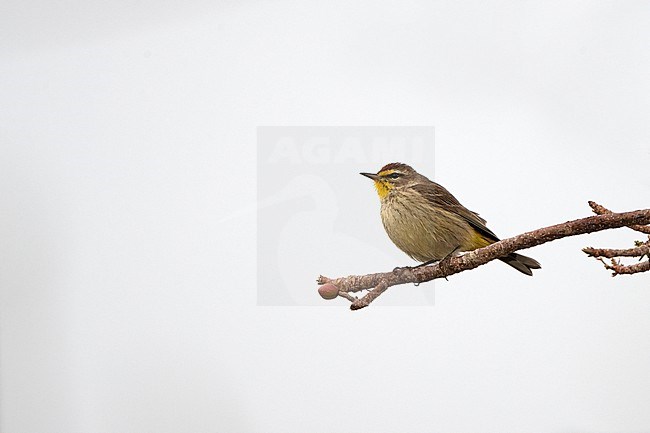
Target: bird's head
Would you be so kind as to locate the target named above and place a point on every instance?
(392, 176)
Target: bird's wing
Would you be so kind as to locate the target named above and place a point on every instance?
(440, 197)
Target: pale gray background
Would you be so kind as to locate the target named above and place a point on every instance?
(128, 134)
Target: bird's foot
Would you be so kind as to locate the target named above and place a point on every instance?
(402, 268)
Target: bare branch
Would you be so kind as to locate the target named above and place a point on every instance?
(371, 296)
(601, 210)
(640, 251)
(618, 269)
(380, 282)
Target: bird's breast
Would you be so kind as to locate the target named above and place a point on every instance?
(421, 230)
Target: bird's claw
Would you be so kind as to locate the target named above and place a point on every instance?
(401, 268)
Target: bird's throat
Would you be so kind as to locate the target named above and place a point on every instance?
(382, 189)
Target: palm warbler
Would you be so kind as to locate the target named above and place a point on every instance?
(426, 222)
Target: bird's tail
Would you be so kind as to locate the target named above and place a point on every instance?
(523, 264)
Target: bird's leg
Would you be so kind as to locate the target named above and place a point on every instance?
(447, 257)
(427, 263)
(451, 254)
(399, 268)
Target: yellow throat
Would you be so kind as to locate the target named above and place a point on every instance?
(383, 187)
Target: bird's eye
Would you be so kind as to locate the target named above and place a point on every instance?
(394, 175)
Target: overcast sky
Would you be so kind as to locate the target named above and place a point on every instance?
(129, 212)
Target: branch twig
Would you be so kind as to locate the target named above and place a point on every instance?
(640, 251)
(380, 282)
(601, 210)
(618, 269)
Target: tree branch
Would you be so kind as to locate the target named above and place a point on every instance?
(601, 210)
(639, 251)
(618, 269)
(378, 283)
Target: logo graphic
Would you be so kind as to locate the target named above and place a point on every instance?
(316, 214)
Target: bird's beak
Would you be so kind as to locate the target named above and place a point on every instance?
(370, 175)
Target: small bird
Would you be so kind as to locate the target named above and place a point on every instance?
(425, 221)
